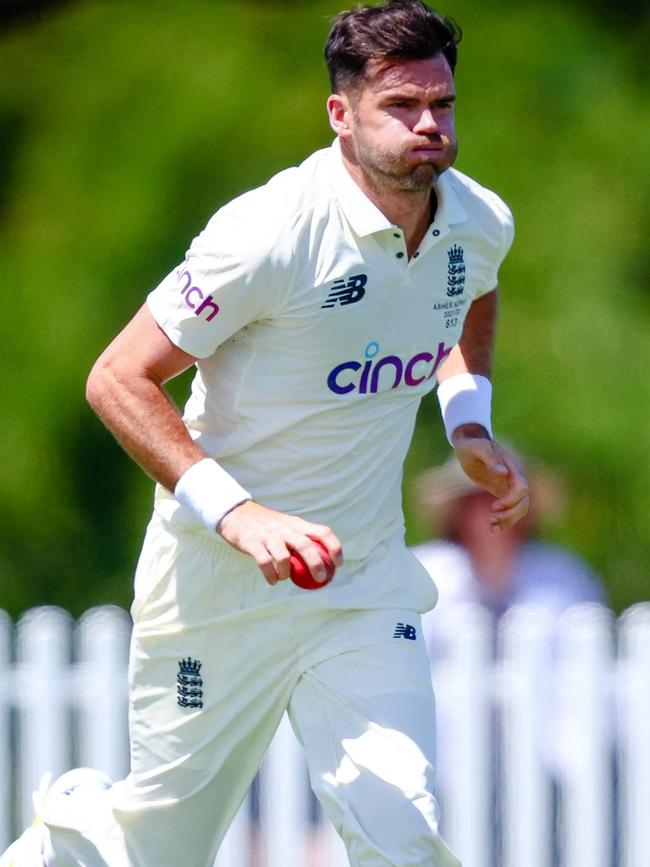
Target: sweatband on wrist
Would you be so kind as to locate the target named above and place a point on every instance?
(465, 398)
(209, 492)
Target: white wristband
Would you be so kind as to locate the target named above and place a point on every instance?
(208, 491)
(465, 398)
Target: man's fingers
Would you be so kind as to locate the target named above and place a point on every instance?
(483, 461)
(311, 554)
(279, 551)
(262, 556)
(516, 492)
(511, 507)
(508, 517)
(332, 544)
(269, 537)
(327, 537)
(517, 486)
(496, 460)
(273, 556)
(498, 471)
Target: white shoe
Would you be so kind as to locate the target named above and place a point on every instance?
(80, 778)
(34, 848)
(29, 850)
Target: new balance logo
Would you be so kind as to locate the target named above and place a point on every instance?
(343, 293)
(189, 684)
(404, 630)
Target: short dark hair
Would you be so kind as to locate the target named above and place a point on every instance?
(397, 29)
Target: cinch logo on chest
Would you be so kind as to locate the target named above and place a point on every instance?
(195, 299)
(343, 293)
(366, 377)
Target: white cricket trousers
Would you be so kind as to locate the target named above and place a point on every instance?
(217, 657)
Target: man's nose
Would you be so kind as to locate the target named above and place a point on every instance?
(426, 122)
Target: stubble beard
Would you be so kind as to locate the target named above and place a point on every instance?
(390, 170)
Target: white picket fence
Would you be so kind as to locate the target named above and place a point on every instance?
(544, 737)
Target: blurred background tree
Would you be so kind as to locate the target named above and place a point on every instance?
(123, 126)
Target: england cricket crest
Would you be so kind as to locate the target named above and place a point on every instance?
(189, 684)
(455, 271)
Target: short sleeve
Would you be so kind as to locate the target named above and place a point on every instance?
(235, 272)
(499, 236)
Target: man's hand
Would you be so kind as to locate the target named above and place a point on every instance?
(496, 470)
(270, 537)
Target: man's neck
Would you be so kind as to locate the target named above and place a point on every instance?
(412, 212)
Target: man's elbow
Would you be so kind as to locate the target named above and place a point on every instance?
(99, 384)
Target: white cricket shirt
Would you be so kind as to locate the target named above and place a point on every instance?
(316, 337)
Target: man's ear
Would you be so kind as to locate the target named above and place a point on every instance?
(339, 112)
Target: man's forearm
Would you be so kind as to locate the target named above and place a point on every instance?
(145, 422)
(465, 392)
(473, 352)
(466, 373)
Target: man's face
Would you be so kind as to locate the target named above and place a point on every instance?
(401, 127)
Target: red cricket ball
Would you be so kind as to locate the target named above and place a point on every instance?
(300, 574)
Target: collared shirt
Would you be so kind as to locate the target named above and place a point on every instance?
(316, 336)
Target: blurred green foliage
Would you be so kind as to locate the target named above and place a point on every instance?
(123, 126)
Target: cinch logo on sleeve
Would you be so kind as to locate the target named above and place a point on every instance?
(347, 293)
(366, 377)
(195, 299)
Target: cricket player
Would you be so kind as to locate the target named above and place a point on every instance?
(317, 310)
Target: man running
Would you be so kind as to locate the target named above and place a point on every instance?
(318, 310)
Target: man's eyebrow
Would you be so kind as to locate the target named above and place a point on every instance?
(398, 93)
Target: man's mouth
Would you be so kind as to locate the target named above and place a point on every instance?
(430, 147)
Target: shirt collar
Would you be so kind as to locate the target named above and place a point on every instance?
(366, 218)
(449, 210)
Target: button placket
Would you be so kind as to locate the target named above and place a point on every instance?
(431, 239)
(400, 237)
(436, 233)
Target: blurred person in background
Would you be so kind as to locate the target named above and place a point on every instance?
(469, 562)
(472, 564)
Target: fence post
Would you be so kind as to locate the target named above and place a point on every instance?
(42, 696)
(524, 638)
(284, 800)
(463, 685)
(634, 733)
(554, 716)
(335, 852)
(583, 728)
(6, 701)
(235, 847)
(100, 690)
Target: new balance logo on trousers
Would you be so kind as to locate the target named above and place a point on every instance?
(405, 630)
